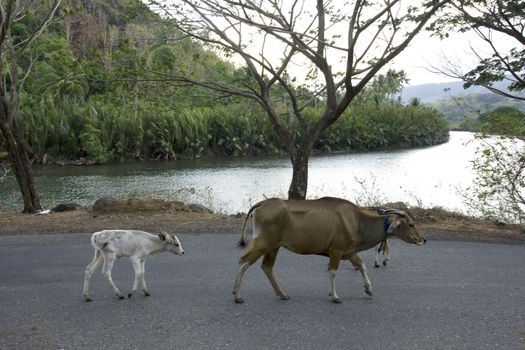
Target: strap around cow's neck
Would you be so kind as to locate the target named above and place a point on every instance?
(385, 225)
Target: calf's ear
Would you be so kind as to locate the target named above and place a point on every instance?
(162, 236)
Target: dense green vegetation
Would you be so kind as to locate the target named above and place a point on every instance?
(101, 130)
(465, 112)
(103, 88)
(503, 120)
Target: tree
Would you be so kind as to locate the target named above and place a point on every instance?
(498, 190)
(384, 88)
(15, 38)
(339, 52)
(415, 101)
(487, 18)
(506, 121)
(59, 75)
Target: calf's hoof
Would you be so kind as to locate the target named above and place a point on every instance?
(368, 291)
(376, 265)
(384, 263)
(239, 300)
(120, 297)
(284, 297)
(146, 293)
(88, 299)
(336, 301)
(130, 295)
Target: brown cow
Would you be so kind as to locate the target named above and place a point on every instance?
(327, 226)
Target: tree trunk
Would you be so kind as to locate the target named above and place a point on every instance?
(20, 164)
(299, 183)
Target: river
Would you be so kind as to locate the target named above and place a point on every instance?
(429, 176)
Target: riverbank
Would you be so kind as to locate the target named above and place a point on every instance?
(434, 224)
(428, 177)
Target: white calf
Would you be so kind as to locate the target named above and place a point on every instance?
(137, 245)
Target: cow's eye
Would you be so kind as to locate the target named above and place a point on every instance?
(176, 244)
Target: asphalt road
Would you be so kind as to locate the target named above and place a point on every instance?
(445, 295)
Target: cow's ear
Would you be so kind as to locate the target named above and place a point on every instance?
(393, 226)
(162, 236)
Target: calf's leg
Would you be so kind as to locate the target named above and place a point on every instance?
(90, 270)
(376, 256)
(143, 269)
(136, 268)
(109, 259)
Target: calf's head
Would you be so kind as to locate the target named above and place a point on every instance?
(402, 226)
(172, 243)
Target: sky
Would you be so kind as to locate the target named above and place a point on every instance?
(425, 51)
(416, 60)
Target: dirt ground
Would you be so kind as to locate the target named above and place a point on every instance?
(171, 220)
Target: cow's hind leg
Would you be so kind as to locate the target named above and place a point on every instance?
(333, 265)
(356, 260)
(251, 256)
(267, 266)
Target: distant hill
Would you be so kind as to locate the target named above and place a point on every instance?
(429, 93)
(457, 104)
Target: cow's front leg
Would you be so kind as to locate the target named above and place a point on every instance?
(357, 262)
(333, 265)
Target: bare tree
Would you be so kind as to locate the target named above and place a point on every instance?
(486, 18)
(332, 48)
(12, 46)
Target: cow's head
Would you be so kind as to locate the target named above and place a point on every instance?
(402, 226)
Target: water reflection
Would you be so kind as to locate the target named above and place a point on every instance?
(427, 176)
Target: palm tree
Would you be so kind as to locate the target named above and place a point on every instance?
(60, 75)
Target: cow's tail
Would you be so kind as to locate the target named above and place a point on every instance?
(242, 241)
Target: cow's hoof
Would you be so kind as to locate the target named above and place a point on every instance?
(239, 300)
(369, 292)
(285, 297)
(120, 297)
(376, 265)
(146, 294)
(88, 299)
(336, 301)
(384, 263)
